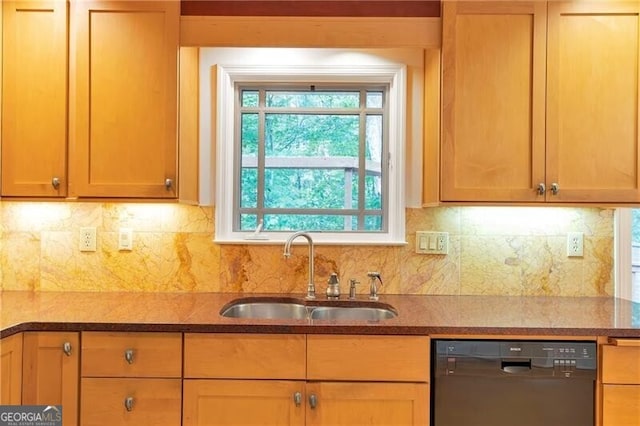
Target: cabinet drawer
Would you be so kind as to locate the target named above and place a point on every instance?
(375, 358)
(621, 364)
(620, 405)
(154, 402)
(244, 356)
(131, 354)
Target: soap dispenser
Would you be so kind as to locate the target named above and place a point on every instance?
(333, 287)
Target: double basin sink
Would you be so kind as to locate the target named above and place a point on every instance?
(295, 309)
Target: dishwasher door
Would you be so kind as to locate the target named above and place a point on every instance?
(497, 383)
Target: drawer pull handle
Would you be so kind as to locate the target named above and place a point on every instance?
(66, 348)
(168, 183)
(55, 182)
(555, 188)
(297, 398)
(128, 403)
(541, 189)
(128, 355)
(313, 401)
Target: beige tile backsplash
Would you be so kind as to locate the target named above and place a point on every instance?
(493, 250)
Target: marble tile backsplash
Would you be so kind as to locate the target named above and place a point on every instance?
(493, 250)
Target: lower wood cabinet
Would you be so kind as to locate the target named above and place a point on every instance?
(620, 375)
(243, 402)
(233, 379)
(120, 401)
(11, 370)
(50, 366)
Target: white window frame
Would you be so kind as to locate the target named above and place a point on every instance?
(622, 254)
(354, 71)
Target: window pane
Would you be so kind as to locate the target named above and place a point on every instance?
(290, 99)
(296, 222)
(249, 187)
(248, 222)
(249, 134)
(373, 179)
(249, 98)
(374, 99)
(311, 135)
(373, 223)
(304, 188)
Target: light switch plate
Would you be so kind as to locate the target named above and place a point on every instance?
(428, 242)
(125, 239)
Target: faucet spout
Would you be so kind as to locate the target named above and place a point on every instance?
(311, 288)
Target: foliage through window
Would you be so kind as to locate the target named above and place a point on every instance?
(311, 157)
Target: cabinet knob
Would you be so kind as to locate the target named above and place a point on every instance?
(168, 183)
(555, 188)
(66, 348)
(297, 398)
(128, 355)
(313, 401)
(541, 188)
(128, 403)
(55, 182)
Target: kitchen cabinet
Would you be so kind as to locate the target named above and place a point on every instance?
(50, 366)
(11, 370)
(131, 378)
(620, 376)
(540, 102)
(123, 98)
(34, 98)
(298, 379)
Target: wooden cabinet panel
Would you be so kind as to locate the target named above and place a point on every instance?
(50, 369)
(243, 402)
(244, 356)
(493, 73)
(593, 95)
(131, 354)
(11, 370)
(620, 405)
(154, 402)
(123, 130)
(332, 357)
(345, 404)
(34, 98)
(621, 364)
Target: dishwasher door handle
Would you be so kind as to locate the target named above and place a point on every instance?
(515, 366)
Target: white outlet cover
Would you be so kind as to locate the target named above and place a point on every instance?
(87, 240)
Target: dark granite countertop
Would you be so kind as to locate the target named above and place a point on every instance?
(417, 315)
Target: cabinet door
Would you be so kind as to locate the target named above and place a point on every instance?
(11, 370)
(136, 402)
(398, 404)
(50, 372)
(493, 82)
(124, 98)
(243, 402)
(34, 98)
(593, 98)
(620, 405)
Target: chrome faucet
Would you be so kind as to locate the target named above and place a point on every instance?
(311, 288)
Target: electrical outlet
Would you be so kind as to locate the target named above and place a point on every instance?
(88, 239)
(428, 242)
(575, 244)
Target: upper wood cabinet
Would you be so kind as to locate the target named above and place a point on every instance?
(123, 98)
(34, 98)
(540, 102)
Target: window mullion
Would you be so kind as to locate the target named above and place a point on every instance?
(261, 154)
(362, 160)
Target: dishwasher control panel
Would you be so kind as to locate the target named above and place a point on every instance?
(515, 357)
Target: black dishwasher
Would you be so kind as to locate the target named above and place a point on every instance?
(507, 383)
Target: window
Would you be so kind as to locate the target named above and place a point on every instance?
(628, 253)
(311, 157)
(302, 146)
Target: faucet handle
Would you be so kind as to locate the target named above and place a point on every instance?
(352, 288)
(373, 289)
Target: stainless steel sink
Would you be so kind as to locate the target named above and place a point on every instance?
(352, 313)
(263, 309)
(291, 308)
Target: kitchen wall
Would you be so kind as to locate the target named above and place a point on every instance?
(493, 250)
